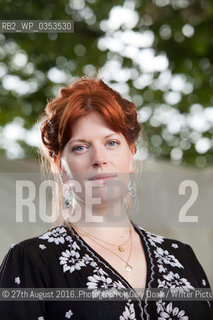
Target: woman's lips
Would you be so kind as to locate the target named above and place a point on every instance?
(102, 180)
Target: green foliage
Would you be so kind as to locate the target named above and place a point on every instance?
(182, 31)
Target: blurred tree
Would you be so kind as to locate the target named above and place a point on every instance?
(157, 53)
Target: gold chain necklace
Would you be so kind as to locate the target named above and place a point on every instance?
(120, 247)
(128, 267)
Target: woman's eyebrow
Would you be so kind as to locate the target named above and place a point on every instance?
(84, 140)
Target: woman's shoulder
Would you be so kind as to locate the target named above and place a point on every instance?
(156, 240)
(51, 237)
(175, 262)
(173, 252)
(168, 247)
(33, 258)
(40, 247)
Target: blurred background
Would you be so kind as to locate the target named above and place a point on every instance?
(156, 53)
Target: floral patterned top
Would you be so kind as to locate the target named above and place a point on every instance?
(60, 258)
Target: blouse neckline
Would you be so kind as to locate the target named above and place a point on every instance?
(144, 244)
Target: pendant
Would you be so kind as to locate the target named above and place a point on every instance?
(121, 249)
(128, 268)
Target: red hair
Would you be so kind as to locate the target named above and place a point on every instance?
(81, 97)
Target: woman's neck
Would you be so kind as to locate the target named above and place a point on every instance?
(110, 222)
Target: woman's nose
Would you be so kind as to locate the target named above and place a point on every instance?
(99, 157)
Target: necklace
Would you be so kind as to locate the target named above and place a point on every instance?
(128, 267)
(120, 247)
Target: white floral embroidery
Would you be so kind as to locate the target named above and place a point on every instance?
(40, 318)
(173, 280)
(161, 268)
(170, 313)
(203, 282)
(71, 261)
(42, 246)
(164, 257)
(68, 314)
(129, 312)
(168, 279)
(117, 284)
(17, 280)
(100, 279)
(95, 279)
(174, 245)
(56, 235)
(154, 238)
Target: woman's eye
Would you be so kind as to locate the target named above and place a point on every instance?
(78, 148)
(113, 143)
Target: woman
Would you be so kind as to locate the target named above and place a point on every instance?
(89, 137)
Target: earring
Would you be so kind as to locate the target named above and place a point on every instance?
(132, 187)
(67, 197)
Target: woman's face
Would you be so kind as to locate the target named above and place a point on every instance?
(95, 149)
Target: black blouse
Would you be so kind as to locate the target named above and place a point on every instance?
(60, 258)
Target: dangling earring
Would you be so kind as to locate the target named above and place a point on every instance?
(132, 187)
(67, 197)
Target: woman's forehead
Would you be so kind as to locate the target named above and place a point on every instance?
(92, 123)
(92, 117)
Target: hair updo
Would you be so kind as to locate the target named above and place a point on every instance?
(80, 98)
